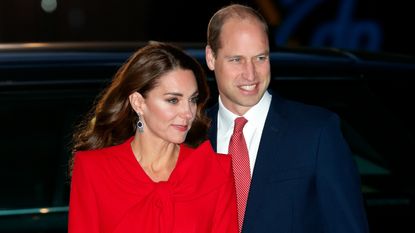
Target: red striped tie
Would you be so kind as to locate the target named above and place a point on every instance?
(240, 163)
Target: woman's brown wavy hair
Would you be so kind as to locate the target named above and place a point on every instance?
(112, 120)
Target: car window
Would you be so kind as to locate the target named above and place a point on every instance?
(36, 127)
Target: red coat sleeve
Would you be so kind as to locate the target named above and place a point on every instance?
(83, 214)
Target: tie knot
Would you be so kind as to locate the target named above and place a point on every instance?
(239, 124)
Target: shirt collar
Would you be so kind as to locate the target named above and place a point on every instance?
(252, 115)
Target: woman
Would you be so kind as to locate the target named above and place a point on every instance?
(141, 161)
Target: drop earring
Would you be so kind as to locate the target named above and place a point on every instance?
(140, 125)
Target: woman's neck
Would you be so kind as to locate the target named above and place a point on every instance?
(158, 159)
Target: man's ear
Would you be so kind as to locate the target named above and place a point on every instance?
(210, 58)
(137, 102)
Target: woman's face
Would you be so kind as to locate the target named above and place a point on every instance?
(169, 109)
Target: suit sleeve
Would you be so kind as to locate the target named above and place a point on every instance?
(226, 216)
(338, 183)
(83, 214)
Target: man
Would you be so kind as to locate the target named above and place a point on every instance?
(303, 178)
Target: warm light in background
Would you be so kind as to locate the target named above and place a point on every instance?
(44, 210)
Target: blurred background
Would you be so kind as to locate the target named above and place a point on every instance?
(43, 93)
(381, 26)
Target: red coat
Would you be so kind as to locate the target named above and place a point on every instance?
(110, 192)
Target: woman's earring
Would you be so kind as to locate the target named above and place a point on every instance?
(140, 125)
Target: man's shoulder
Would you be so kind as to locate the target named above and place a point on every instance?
(211, 111)
(299, 111)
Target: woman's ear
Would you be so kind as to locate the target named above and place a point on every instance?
(137, 102)
(210, 58)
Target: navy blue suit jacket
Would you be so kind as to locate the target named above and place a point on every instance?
(304, 178)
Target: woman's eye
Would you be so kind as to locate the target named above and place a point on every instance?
(173, 100)
(194, 99)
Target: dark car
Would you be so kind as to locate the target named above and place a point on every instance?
(45, 89)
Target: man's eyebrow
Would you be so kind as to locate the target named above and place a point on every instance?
(266, 53)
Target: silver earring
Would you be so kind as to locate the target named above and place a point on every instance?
(140, 125)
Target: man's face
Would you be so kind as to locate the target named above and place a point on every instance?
(241, 65)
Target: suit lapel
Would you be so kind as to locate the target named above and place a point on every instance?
(270, 142)
(267, 152)
(213, 129)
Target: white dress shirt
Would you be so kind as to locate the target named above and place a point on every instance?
(252, 130)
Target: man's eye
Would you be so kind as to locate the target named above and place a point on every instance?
(235, 59)
(262, 58)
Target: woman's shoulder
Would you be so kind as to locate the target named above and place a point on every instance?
(96, 155)
(205, 152)
(89, 158)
